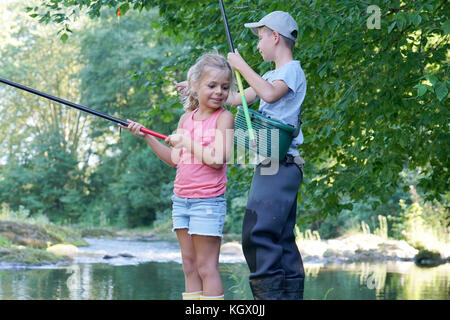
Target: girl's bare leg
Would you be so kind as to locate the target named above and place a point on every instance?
(193, 282)
(207, 249)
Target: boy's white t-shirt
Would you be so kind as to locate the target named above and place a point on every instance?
(288, 107)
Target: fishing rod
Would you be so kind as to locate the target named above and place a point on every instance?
(80, 107)
(238, 79)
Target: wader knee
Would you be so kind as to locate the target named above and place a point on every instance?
(268, 288)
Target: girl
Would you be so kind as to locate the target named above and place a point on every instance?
(199, 149)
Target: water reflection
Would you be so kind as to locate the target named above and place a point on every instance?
(153, 280)
(389, 280)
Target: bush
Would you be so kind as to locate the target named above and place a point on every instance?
(425, 224)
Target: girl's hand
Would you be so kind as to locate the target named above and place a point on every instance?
(235, 60)
(181, 87)
(134, 127)
(176, 140)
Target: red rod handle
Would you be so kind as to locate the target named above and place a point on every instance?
(154, 133)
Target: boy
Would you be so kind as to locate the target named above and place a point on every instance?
(276, 268)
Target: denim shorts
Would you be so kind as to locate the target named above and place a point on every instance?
(202, 216)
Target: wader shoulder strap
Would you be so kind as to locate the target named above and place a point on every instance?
(299, 124)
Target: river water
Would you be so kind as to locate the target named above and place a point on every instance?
(152, 270)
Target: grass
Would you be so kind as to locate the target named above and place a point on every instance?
(24, 239)
(29, 256)
(426, 224)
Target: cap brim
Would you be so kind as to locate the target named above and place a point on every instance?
(254, 26)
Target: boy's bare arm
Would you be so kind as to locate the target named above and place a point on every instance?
(269, 92)
(234, 98)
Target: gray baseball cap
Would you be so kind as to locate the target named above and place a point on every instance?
(279, 21)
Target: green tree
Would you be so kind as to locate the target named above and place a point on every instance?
(376, 101)
(65, 163)
(39, 139)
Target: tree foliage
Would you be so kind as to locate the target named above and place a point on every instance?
(39, 140)
(69, 165)
(377, 99)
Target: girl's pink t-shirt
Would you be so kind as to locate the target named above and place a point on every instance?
(195, 179)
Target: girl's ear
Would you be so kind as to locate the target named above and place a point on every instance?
(195, 87)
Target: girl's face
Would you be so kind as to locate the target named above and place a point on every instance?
(266, 43)
(213, 88)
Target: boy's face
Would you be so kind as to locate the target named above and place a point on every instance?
(266, 43)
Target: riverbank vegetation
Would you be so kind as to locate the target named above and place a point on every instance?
(24, 239)
(375, 116)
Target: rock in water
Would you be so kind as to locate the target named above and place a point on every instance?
(427, 258)
(231, 248)
(63, 249)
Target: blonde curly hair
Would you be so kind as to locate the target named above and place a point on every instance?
(195, 73)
